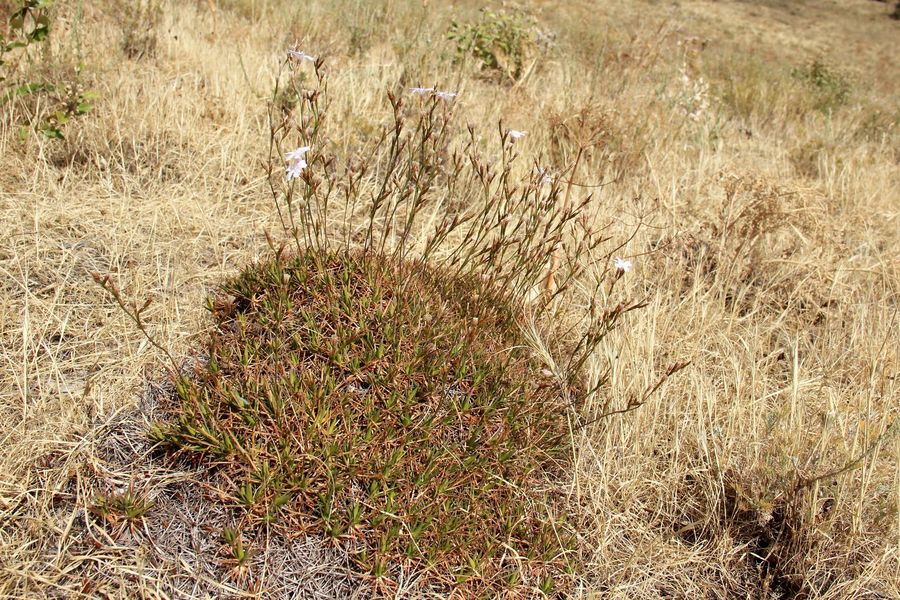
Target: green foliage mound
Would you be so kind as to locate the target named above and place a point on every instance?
(506, 43)
(830, 89)
(388, 405)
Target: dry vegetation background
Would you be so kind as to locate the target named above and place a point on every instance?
(768, 187)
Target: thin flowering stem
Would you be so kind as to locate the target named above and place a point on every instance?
(550, 283)
(379, 199)
(636, 402)
(433, 138)
(275, 129)
(305, 213)
(135, 312)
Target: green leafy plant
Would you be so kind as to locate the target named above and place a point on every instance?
(125, 509)
(830, 88)
(52, 104)
(506, 42)
(239, 554)
(29, 23)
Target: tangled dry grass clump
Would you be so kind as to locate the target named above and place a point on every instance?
(327, 419)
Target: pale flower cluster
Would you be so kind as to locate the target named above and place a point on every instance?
(430, 90)
(295, 162)
(300, 56)
(622, 265)
(695, 95)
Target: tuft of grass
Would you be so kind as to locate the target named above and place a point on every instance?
(386, 406)
(121, 509)
(376, 387)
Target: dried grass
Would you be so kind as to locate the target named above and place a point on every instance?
(770, 259)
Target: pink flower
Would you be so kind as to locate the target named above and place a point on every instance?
(296, 154)
(300, 56)
(622, 265)
(294, 169)
(296, 162)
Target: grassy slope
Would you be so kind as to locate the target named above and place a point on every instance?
(770, 258)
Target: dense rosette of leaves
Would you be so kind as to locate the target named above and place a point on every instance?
(389, 406)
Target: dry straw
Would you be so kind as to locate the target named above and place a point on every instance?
(767, 256)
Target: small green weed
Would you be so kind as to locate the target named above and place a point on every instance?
(235, 544)
(48, 105)
(121, 509)
(830, 88)
(506, 43)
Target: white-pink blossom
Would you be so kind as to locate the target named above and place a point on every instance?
(622, 265)
(296, 154)
(294, 169)
(300, 56)
(295, 162)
